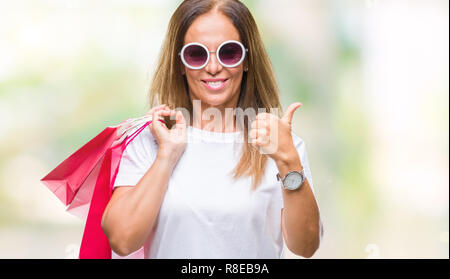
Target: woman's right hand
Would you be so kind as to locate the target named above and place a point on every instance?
(171, 142)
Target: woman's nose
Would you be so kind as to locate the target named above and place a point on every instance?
(213, 67)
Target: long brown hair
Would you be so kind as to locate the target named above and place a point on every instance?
(259, 88)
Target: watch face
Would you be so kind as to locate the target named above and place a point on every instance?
(293, 180)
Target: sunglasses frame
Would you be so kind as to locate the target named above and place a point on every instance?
(181, 54)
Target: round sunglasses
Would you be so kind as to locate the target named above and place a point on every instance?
(229, 54)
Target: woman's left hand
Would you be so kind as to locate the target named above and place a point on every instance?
(271, 135)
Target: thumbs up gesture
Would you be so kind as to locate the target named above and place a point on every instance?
(271, 135)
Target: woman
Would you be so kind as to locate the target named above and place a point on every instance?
(235, 192)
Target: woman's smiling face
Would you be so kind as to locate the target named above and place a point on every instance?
(211, 30)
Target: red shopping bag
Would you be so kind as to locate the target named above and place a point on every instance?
(67, 178)
(91, 167)
(73, 180)
(95, 244)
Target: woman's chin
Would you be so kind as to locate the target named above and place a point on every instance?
(214, 99)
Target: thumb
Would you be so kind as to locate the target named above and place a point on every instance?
(290, 112)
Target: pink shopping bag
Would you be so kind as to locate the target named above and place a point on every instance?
(95, 244)
(84, 181)
(66, 179)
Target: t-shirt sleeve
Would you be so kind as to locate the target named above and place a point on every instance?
(136, 159)
(301, 149)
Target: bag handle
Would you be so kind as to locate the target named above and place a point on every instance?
(133, 124)
(133, 135)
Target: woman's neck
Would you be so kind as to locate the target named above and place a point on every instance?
(219, 125)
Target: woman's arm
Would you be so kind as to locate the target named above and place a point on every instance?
(132, 211)
(300, 216)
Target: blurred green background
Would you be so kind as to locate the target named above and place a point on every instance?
(373, 77)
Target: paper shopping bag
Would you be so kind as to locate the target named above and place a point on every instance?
(74, 179)
(95, 244)
(65, 180)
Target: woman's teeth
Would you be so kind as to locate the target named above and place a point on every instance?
(215, 84)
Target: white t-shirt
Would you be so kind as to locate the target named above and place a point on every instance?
(205, 214)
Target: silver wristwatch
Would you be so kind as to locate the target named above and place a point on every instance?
(293, 180)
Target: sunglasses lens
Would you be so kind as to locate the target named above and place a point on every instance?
(230, 53)
(195, 55)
